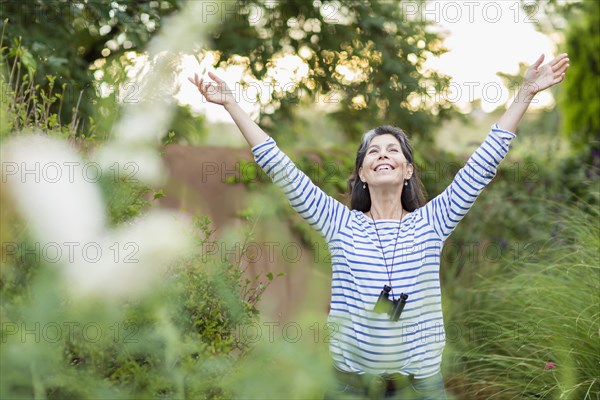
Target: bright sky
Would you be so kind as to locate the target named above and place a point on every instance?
(484, 37)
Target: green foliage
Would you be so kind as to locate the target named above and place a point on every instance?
(64, 40)
(384, 48)
(576, 23)
(580, 103)
(25, 103)
(541, 310)
(182, 340)
(146, 348)
(309, 126)
(124, 199)
(512, 282)
(294, 368)
(513, 218)
(28, 106)
(178, 341)
(551, 16)
(187, 127)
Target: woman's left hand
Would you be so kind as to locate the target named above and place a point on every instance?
(538, 78)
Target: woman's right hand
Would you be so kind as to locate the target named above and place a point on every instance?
(216, 92)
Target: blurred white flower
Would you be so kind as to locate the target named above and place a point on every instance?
(135, 163)
(151, 106)
(181, 32)
(61, 202)
(144, 124)
(133, 258)
(54, 188)
(56, 191)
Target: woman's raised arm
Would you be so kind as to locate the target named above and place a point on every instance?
(219, 93)
(324, 213)
(446, 210)
(537, 78)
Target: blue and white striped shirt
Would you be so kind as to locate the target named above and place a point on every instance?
(367, 342)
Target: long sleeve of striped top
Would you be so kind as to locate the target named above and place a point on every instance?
(322, 212)
(445, 211)
(368, 254)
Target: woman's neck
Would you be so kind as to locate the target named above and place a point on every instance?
(386, 205)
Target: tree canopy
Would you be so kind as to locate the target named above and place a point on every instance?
(577, 25)
(580, 103)
(365, 58)
(68, 39)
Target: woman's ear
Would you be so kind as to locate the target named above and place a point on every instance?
(360, 174)
(410, 169)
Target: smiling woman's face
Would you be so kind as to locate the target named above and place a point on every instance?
(384, 163)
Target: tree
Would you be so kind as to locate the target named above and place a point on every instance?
(70, 39)
(364, 57)
(578, 25)
(580, 102)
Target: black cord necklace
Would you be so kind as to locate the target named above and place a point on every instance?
(388, 270)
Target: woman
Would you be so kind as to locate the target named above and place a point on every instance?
(386, 248)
